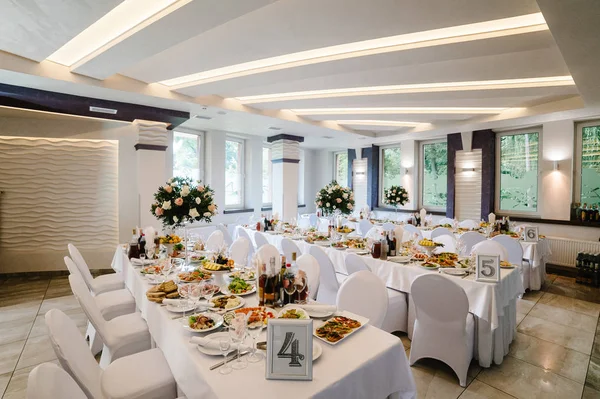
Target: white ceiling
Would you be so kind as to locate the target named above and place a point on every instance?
(207, 34)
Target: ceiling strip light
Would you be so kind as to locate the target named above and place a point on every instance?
(456, 34)
(118, 24)
(398, 110)
(367, 122)
(552, 81)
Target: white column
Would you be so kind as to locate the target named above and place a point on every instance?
(151, 167)
(285, 158)
(253, 180)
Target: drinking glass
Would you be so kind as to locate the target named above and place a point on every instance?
(254, 330)
(183, 291)
(289, 287)
(237, 333)
(150, 251)
(208, 291)
(224, 345)
(167, 267)
(143, 257)
(302, 290)
(195, 293)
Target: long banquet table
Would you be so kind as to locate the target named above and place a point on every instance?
(493, 305)
(372, 363)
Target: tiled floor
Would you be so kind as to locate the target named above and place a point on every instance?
(556, 353)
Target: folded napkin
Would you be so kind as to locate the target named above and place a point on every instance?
(423, 214)
(316, 307)
(172, 302)
(212, 343)
(138, 262)
(492, 218)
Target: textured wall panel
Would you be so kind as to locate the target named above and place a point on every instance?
(468, 185)
(56, 191)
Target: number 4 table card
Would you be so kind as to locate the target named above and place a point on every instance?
(289, 349)
(487, 268)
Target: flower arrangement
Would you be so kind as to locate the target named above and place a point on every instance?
(181, 200)
(334, 197)
(395, 196)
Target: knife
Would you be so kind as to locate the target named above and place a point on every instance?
(229, 359)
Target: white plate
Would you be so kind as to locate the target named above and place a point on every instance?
(273, 232)
(355, 250)
(454, 271)
(303, 313)
(363, 322)
(216, 337)
(136, 262)
(218, 319)
(429, 268)
(179, 309)
(399, 259)
(243, 275)
(225, 291)
(242, 302)
(325, 243)
(319, 315)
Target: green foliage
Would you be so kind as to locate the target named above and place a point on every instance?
(395, 196)
(341, 168)
(435, 159)
(518, 171)
(334, 197)
(590, 164)
(391, 166)
(185, 155)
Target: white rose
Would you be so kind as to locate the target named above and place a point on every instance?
(345, 195)
(166, 205)
(334, 207)
(198, 200)
(194, 213)
(175, 219)
(171, 180)
(397, 199)
(185, 191)
(327, 205)
(405, 195)
(207, 214)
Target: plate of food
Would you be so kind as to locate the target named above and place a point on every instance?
(291, 312)
(257, 314)
(339, 327)
(429, 265)
(239, 286)
(338, 245)
(445, 259)
(316, 238)
(194, 276)
(204, 322)
(161, 291)
(400, 258)
(227, 302)
(506, 265)
(355, 244)
(197, 258)
(154, 269)
(218, 267)
(454, 271)
(419, 257)
(248, 275)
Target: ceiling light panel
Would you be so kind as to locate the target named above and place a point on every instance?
(399, 110)
(122, 21)
(368, 122)
(456, 34)
(551, 81)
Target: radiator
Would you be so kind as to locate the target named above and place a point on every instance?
(565, 250)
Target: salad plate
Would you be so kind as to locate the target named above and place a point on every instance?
(203, 322)
(292, 312)
(226, 302)
(180, 309)
(454, 271)
(339, 327)
(239, 286)
(429, 266)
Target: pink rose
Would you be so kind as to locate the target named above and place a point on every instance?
(338, 200)
(212, 208)
(168, 188)
(200, 188)
(179, 201)
(158, 211)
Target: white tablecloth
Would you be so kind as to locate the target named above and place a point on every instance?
(371, 364)
(494, 305)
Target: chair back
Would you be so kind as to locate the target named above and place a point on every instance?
(243, 233)
(449, 243)
(239, 250)
(469, 224)
(226, 235)
(364, 294)
(354, 264)
(399, 234)
(323, 225)
(446, 221)
(364, 226)
(440, 231)
(513, 248)
(469, 239)
(412, 230)
(73, 353)
(489, 247)
(268, 251)
(260, 239)
(215, 241)
(84, 270)
(328, 283)
(288, 247)
(304, 221)
(48, 381)
(431, 313)
(314, 220)
(387, 226)
(309, 264)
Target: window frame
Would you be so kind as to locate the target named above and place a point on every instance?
(270, 203)
(578, 155)
(199, 151)
(301, 176)
(381, 204)
(497, 186)
(335, 157)
(422, 176)
(242, 163)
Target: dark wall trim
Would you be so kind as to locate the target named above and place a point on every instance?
(351, 158)
(272, 139)
(49, 101)
(232, 211)
(454, 144)
(285, 160)
(270, 208)
(150, 147)
(575, 223)
(372, 156)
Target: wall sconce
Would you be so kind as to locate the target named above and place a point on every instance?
(554, 165)
(468, 170)
(406, 171)
(360, 173)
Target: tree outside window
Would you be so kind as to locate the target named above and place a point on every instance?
(186, 158)
(341, 168)
(233, 173)
(391, 168)
(435, 170)
(590, 165)
(519, 172)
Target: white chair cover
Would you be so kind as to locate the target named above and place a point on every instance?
(84, 270)
(215, 241)
(288, 247)
(243, 233)
(226, 235)
(100, 284)
(323, 225)
(399, 234)
(328, 284)
(239, 251)
(260, 239)
(48, 381)
(355, 264)
(314, 219)
(364, 226)
(304, 221)
(268, 251)
(515, 256)
(387, 226)
(489, 247)
(440, 231)
(412, 230)
(309, 264)
(469, 239)
(469, 224)
(449, 243)
(446, 221)
(444, 330)
(364, 294)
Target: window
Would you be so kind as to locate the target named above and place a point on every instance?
(267, 176)
(390, 169)
(434, 161)
(301, 178)
(589, 163)
(186, 155)
(340, 173)
(234, 172)
(519, 153)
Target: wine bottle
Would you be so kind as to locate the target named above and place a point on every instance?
(142, 242)
(282, 295)
(392, 244)
(134, 249)
(262, 281)
(270, 284)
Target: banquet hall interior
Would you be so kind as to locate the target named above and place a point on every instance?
(195, 195)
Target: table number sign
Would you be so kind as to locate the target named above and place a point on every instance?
(289, 349)
(530, 234)
(487, 268)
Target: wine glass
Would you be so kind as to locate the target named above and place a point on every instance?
(237, 333)
(254, 329)
(166, 268)
(183, 291)
(224, 345)
(289, 287)
(143, 257)
(208, 290)
(194, 294)
(301, 286)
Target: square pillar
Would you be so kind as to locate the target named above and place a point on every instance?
(285, 157)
